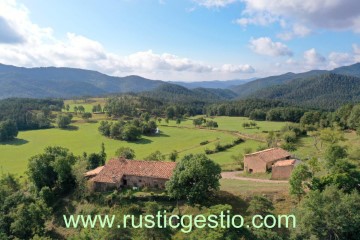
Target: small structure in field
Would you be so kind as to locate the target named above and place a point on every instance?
(262, 161)
(121, 172)
(282, 169)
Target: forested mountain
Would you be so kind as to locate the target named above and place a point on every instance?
(250, 88)
(214, 84)
(176, 93)
(66, 82)
(327, 91)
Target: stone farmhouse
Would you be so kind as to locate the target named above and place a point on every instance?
(277, 160)
(120, 172)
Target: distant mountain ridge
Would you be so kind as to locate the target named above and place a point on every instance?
(66, 82)
(214, 83)
(250, 88)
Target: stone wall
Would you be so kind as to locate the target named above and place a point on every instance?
(136, 181)
(281, 172)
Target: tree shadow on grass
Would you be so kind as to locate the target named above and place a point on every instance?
(143, 141)
(15, 142)
(160, 135)
(71, 128)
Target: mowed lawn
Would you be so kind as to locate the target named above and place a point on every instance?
(86, 138)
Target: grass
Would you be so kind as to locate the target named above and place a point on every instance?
(240, 187)
(84, 137)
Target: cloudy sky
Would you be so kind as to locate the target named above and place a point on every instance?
(186, 40)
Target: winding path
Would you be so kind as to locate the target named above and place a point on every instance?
(233, 175)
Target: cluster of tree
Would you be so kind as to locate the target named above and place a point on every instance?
(29, 113)
(8, 130)
(95, 160)
(97, 109)
(221, 148)
(63, 120)
(79, 109)
(338, 189)
(251, 124)
(201, 121)
(22, 215)
(241, 108)
(127, 130)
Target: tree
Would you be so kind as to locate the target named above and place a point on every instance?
(334, 153)
(238, 159)
(212, 124)
(52, 169)
(198, 121)
(159, 120)
(96, 159)
(76, 109)
(330, 214)
(63, 120)
(156, 232)
(81, 109)
(131, 133)
(155, 156)
(178, 121)
(331, 136)
(125, 152)
(298, 176)
(86, 116)
(260, 205)
(195, 178)
(8, 130)
(29, 219)
(314, 165)
(173, 156)
(67, 107)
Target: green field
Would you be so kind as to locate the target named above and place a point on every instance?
(84, 137)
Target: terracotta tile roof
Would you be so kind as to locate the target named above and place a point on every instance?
(283, 163)
(268, 155)
(94, 172)
(116, 168)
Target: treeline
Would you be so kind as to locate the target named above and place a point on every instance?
(256, 109)
(29, 113)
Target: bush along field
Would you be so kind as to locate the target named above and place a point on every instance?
(46, 146)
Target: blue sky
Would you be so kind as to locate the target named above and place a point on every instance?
(188, 40)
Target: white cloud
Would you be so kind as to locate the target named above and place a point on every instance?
(313, 59)
(327, 14)
(214, 3)
(230, 68)
(298, 30)
(337, 59)
(265, 46)
(40, 48)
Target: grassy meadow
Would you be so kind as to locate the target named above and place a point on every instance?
(84, 137)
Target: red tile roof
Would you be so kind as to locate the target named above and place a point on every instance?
(116, 168)
(268, 155)
(283, 163)
(93, 172)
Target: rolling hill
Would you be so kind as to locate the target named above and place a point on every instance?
(175, 93)
(248, 89)
(66, 82)
(326, 91)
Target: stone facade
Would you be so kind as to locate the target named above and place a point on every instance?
(118, 173)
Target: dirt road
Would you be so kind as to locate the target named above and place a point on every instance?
(233, 175)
